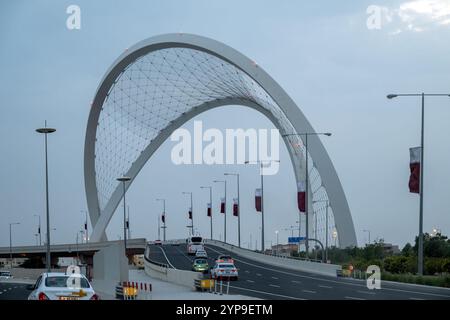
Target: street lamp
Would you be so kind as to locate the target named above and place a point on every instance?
(261, 163)
(85, 225)
(124, 180)
(276, 232)
(47, 131)
(239, 206)
(224, 211)
(10, 242)
(368, 231)
(192, 214)
(422, 167)
(164, 214)
(210, 202)
(39, 228)
(306, 134)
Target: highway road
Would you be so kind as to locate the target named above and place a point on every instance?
(13, 291)
(268, 282)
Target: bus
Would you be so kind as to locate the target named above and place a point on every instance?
(194, 243)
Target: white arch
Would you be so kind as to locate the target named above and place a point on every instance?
(100, 216)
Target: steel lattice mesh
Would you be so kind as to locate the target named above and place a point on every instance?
(158, 88)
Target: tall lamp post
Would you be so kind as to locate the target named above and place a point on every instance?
(39, 228)
(192, 213)
(239, 206)
(368, 231)
(210, 202)
(124, 180)
(306, 134)
(47, 131)
(261, 163)
(422, 167)
(10, 242)
(85, 225)
(225, 210)
(164, 214)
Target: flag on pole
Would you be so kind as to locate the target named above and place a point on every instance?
(235, 207)
(190, 213)
(414, 166)
(222, 205)
(301, 196)
(163, 218)
(258, 200)
(209, 210)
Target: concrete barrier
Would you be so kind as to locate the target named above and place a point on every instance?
(284, 262)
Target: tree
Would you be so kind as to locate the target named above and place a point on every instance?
(408, 250)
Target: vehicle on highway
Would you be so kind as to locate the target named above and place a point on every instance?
(224, 258)
(201, 253)
(200, 265)
(224, 270)
(62, 286)
(158, 242)
(5, 275)
(193, 244)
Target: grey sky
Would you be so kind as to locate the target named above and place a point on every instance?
(335, 68)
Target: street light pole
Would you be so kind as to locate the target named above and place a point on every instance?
(10, 242)
(39, 228)
(210, 201)
(368, 231)
(124, 180)
(192, 214)
(225, 210)
(46, 131)
(422, 169)
(306, 134)
(164, 214)
(239, 206)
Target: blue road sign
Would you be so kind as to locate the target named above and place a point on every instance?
(295, 239)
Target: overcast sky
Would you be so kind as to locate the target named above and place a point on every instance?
(323, 54)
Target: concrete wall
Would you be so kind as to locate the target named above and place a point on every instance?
(110, 263)
(289, 263)
(29, 274)
(180, 277)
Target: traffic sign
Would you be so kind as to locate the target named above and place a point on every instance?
(296, 239)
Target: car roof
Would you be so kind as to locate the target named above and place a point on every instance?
(61, 274)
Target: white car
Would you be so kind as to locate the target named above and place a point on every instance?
(224, 270)
(5, 275)
(62, 286)
(201, 254)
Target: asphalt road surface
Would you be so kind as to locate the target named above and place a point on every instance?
(13, 291)
(268, 282)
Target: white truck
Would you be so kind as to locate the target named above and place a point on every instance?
(194, 244)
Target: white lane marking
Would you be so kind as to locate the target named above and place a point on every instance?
(415, 299)
(366, 292)
(268, 293)
(246, 271)
(259, 274)
(334, 281)
(273, 285)
(295, 281)
(326, 287)
(353, 298)
(275, 278)
(251, 281)
(167, 259)
(309, 291)
(190, 260)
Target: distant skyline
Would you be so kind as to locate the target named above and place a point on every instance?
(323, 54)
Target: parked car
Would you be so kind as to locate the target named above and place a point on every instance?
(62, 286)
(201, 254)
(224, 270)
(4, 275)
(200, 265)
(224, 258)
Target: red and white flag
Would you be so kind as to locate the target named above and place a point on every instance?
(414, 166)
(235, 207)
(222, 205)
(209, 210)
(258, 200)
(163, 218)
(190, 213)
(301, 196)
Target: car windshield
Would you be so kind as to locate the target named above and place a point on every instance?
(61, 282)
(196, 239)
(224, 257)
(5, 273)
(202, 261)
(224, 266)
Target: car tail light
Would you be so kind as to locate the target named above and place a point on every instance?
(234, 270)
(221, 270)
(95, 297)
(42, 296)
